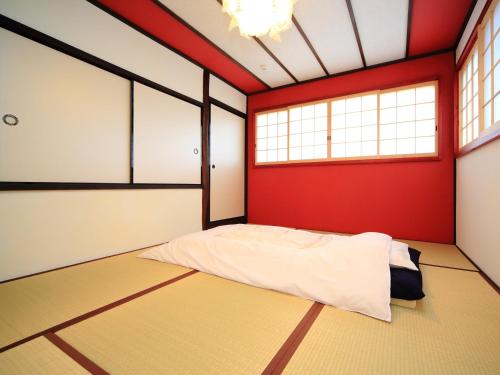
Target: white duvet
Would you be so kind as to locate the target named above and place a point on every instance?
(350, 273)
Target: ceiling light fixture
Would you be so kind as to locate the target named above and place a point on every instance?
(259, 17)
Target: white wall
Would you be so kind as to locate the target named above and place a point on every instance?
(41, 230)
(227, 94)
(478, 207)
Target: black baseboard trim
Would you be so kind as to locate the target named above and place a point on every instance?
(481, 272)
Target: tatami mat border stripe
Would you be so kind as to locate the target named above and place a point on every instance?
(97, 311)
(481, 272)
(283, 356)
(451, 268)
(74, 354)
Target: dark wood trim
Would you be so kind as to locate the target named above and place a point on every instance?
(132, 132)
(79, 54)
(410, 58)
(466, 21)
(481, 272)
(287, 350)
(232, 220)
(488, 136)
(97, 311)
(7, 186)
(454, 200)
(74, 354)
(226, 107)
(309, 44)
(205, 153)
(451, 268)
(408, 27)
(275, 58)
(171, 13)
(77, 264)
(356, 33)
(247, 148)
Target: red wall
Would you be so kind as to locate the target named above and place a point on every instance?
(409, 199)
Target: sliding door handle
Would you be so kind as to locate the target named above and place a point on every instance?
(213, 166)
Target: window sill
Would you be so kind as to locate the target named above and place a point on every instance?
(485, 137)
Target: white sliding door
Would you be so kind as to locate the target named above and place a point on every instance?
(73, 118)
(167, 138)
(227, 165)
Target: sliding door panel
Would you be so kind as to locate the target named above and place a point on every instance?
(167, 138)
(62, 120)
(227, 165)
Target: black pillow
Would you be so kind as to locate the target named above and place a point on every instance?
(407, 284)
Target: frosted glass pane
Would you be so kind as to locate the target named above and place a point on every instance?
(406, 146)
(497, 109)
(425, 111)
(407, 113)
(425, 145)
(469, 70)
(353, 149)
(496, 49)
(369, 102)
(272, 143)
(295, 127)
(475, 106)
(469, 133)
(338, 107)
(475, 128)
(464, 139)
(320, 110)
(496, 18)
(272, 155)
(353, 104)
(295, 140)
(320, 138)
(475, 61)
(388, 147)
(353, 119)
(475, 84)
(283, 117)
(487, 116)
(295, 153)
(308, 139)
(487, 88)
(262, 144)
(320, 124)
(388, 116)
(262, 132)
(388, 100)
(469, 112)
(261, 156)
(487, 33)
(308, 152)
(406, 97)
(320, 152)
(426, 127)
(272, 118)
(282, 129)
(338, 122)
(272, 131)
(369, 117)
(261, 120)
(282, 142)
(369, 148)
(406, 130)
(388, 131)
(464, 118)
(308, 111)
(307, 125)
(464, 98)
(338, 136)
(464, 78)
(295, 114)
(487, 61)
(282, 155)
(469, 90)
(496, 78)
(338, 151)
(369, 133)
(353, 134)
(425, 94)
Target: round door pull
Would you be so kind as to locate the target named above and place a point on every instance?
(195, 151)
(213, 166)
(10, 120)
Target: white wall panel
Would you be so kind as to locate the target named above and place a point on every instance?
(478, 207)
(227, 154)
(220, 90)
(167, 138)
(469, 28)
(87, 27)
(206, 16)
(74, 118)
(382, 28)
(41, 230)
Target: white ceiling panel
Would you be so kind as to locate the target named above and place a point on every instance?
(382, 28)
(328, 26)
(294, 54)
(206, 16)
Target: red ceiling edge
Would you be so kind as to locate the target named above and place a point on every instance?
(150, 17)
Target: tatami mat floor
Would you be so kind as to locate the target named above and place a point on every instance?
(204, 324)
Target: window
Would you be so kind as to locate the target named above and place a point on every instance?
(480, 81)
(373, 125)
